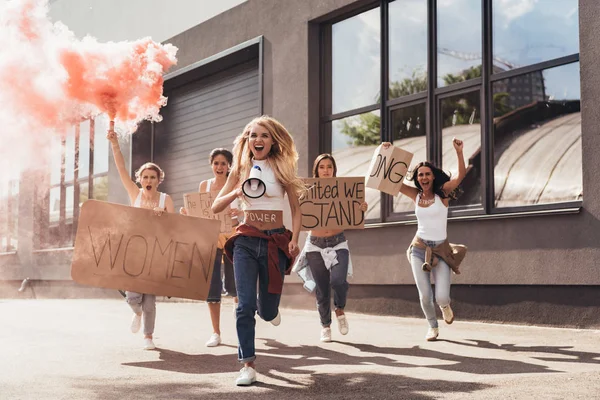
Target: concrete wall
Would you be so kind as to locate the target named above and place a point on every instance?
(532, 250)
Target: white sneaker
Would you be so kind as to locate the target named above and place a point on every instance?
(432, 334)
(343, 324)
(247, 377)
(136, 323)
(149, 344)
(214, 341)
(277, 320)
(326, 335)
(448, 314)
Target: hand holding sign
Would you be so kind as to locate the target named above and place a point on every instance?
(333, 203)
(388, 168)
(199, 205)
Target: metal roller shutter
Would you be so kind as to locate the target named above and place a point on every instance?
(200, 116)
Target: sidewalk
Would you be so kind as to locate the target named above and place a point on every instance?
(82, 349)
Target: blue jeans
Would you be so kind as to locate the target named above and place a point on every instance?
(216, 284)
(441, 274)
(325, 279)
(250, 263)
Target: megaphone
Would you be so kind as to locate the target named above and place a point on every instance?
(254, 187)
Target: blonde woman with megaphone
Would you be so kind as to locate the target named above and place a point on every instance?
(262, 249)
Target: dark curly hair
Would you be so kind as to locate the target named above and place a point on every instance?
(221, 152)
(439, 179)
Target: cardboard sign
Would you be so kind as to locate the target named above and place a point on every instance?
(121, 247)
(199, 204)
(388, 169)
(333, 203)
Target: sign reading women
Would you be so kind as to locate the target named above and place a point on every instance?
(120, 247)
(388, 169)
(333, 203)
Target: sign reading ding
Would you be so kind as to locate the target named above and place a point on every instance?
(388, 169)
(333, 203)
(121, 247)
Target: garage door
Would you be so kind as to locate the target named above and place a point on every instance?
(200, 116)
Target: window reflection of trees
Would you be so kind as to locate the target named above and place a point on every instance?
(354, 140)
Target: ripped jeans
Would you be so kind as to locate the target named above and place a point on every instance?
(441, 274)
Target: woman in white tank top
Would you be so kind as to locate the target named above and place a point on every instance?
(262, 249)
(433, 192)
(149, 176)
(220, 162)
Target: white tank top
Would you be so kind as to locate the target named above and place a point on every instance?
(273, 197)
(161, 202)
(432, 220)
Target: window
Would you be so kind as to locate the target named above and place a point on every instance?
(537, 143)
(9, 207)
(78, 172)
(501, 75)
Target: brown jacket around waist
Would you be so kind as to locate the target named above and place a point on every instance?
(276, 241)
(451, 253)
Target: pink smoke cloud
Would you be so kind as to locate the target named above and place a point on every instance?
(49, 79)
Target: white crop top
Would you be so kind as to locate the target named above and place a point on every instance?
(273, 197)
(161, 202)
(432, 220)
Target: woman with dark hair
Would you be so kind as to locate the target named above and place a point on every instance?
(430, 253)
(325, 271)
(220, 161)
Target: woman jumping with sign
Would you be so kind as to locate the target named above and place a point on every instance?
(220, 161)
(149, 176)
(262, 249)
(430, 252)
(328, 259)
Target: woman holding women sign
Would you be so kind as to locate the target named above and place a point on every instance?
(327, 256)
(430, 253)
(220, 161)
(262, 249)
(149, 176)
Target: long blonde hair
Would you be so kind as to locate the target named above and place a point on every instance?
(283, 157)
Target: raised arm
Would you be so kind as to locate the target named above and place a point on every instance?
(227, 194)
(462, 169)
(130, 186)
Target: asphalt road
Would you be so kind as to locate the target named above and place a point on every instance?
(82, 349)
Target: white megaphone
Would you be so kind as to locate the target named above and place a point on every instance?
(254, 187)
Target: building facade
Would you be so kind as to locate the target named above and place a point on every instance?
(515, 80)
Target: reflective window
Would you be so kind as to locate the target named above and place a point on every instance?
(408, 130)
(537, 142)
(527, 32)
(461, 118)
(459, 41)
(354, 140)
(407, 47)
(355, 60)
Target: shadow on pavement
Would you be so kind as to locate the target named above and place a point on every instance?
(566, 354)
(332, 373)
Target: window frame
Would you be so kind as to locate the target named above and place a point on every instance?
(432, 98)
